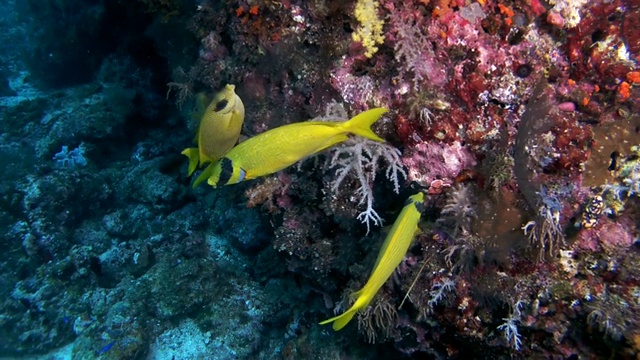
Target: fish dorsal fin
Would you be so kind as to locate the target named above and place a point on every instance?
(383, 249)
(200, 106)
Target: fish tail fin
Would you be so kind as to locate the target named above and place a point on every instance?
(341, 320)
(361, 124)
(194, 158)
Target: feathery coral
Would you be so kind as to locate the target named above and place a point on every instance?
(360, 158)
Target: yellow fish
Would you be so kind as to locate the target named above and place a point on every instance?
(283, 146)
(393, 250)
(218, 131)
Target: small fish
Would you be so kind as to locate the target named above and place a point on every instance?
(106, 348)
(283, 146)
(391, 254)
(614, 161)
(219, 129)
(592, 212)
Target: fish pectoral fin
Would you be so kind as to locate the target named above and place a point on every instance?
(194, 159)
(243, 175)
(204, 175)
(356, 294)
(241, 138)
(334, 140)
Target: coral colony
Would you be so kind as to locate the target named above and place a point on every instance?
(519, 121)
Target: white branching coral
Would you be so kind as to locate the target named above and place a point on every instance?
(510, 327)
(360, 157)
(439, 291)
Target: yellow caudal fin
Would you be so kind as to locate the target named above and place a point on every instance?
(194, 158)
(341, 320)
(361, 124)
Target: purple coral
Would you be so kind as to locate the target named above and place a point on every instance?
(429, 161)
(415, 51)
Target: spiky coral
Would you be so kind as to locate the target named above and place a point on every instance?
(459, 210)
(377, 320)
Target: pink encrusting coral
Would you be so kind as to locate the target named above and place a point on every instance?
(609, 236)
(431, 161)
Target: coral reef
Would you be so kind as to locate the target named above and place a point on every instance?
(519, 120)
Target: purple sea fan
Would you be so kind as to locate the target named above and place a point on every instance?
(360, 91)
(427, 162)
(415, 51)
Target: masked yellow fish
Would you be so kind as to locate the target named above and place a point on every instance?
(218, 131)
(283, 146)
(393, 250)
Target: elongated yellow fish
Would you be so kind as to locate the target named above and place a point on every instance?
(218, 131)
(393, 250)
(283, 146)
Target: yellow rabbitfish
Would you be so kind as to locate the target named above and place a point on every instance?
(283, 146)
(218, 132)
(391, 254)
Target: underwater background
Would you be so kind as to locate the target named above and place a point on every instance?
(517, 119)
